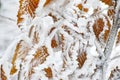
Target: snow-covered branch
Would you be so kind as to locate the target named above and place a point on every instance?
(112, 34)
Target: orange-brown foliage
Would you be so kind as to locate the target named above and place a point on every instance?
(48, 72)
(26, 7)
(47, 2)
(98, 27)
(106, 34)
(2, 73)
(13, 70)
(80, 6)
(118, 38)
(54, 43)
(108, 2)
(81, 59)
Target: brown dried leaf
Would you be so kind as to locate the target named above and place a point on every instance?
(81, 59)
(118, 38)
(98, 27)
(2, 73)
(48, 72)
(115, 74)
(85, 9)
(21, 51)
(26, 7)
(54, 43)
(35, 37)
(40, 56)
(47, 2)
(111, 13)
(13, 70)
(106, 34)
(63, 43)
(53, 16)
(80, 6)
(51, 30)
(108, 2)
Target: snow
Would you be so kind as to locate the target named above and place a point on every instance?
(80, 39)
(8, 27)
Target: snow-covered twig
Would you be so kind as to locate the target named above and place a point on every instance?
(112, 34)
(19, 72)
(4, 17)
(111, 39)
(116, 57)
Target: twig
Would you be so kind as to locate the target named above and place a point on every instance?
(1, 16)
(19, 72)
(100, 11)
(112, 35)
(115, 58)
(110, 41)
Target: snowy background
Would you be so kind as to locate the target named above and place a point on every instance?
(8, 27)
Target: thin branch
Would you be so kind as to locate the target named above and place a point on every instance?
(100, 11)
(19, 72)
(112, 35)
(10, 19)
(116, 57)
(110, 41)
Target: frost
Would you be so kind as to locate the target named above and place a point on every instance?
(64, 40)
